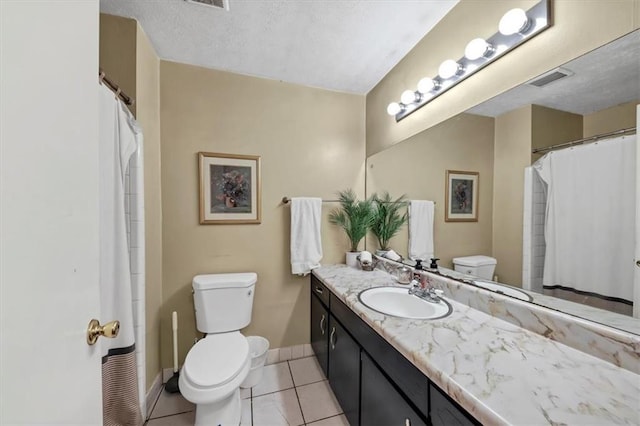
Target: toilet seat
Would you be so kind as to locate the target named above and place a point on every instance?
(216, 359)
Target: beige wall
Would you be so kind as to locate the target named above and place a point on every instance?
(579, 27)
(417, 168)
(512, 154)
(608, 120)
(311, 143)
(118, 52)
(551, 127)
(148, 103)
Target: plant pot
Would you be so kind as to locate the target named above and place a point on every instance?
(381, 253)
(352, 259)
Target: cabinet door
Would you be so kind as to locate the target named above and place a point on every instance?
(445, 412)
(382, 404)
(344, 371)
(320, 333)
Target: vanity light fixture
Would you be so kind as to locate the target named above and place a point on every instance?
(450, 68)
(394, 108)
(478, 48)
(427, 85)
(516, 27)
(513, 22)
(409, 97)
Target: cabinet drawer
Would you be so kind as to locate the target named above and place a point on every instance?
(320, 290)
(405, 375)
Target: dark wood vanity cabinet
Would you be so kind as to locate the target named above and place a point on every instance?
(381, 403)
(373, 382)
(344, 370)
(445, 412)
(320, 332)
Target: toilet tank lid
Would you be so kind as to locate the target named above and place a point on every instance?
(213, 281)
(474, 261)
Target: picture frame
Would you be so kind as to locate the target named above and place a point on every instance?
(461, 196)
(230, 191)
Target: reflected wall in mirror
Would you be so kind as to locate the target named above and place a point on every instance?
(599, 93)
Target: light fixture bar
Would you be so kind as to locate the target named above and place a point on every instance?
(539, 19)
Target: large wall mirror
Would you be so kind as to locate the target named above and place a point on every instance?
(595, 94)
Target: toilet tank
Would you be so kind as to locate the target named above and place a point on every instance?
(223, 302)
(479, 266)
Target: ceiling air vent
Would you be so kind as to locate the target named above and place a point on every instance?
(550, 77)
(219, 4)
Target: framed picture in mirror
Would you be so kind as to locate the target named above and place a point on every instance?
(461, 196)
(229, 188)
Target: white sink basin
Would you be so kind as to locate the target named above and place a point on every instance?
(508, 291)
(397, 302)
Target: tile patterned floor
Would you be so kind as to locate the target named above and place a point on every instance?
(291, 393)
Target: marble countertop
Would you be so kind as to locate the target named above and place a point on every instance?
(498, 372)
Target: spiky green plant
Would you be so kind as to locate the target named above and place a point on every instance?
(354, 216)
(388, 219)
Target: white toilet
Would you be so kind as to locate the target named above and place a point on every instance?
(478, 266)
(216, 366)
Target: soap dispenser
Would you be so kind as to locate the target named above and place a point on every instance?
(434, 264)
(417, 268)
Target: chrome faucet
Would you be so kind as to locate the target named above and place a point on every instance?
(429, 294)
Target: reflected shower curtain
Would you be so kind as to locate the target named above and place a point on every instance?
(590, 218)
(119, 138)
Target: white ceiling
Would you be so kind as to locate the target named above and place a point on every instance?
(342, 45)
(605, 77)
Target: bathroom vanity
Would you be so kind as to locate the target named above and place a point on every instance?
(374, 383)
(467, 368)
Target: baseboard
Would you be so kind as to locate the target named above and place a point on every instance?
(153, 393)
(167, 373)
(289, 352)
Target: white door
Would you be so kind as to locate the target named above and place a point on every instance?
(49, 212)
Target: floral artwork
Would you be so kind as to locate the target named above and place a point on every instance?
(461, 196)
(229, 188)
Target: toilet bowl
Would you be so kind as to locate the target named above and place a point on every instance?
(211, 377)
(216, 365)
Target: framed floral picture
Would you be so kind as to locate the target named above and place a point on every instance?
(461, 196)
(229, 188)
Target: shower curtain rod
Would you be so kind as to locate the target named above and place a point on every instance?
(585, 140)
(115, 88)
(286, 200)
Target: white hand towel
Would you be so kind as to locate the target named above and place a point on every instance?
(421, 229)
(306, 243)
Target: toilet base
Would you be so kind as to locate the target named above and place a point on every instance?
(226, 412)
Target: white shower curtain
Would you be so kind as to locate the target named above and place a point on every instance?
(118, 141)
(590, 217)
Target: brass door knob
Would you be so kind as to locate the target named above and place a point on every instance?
(96, 330)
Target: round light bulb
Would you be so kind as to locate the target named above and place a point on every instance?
(477, 48)
(408, 97)
(427, 84)
(394, 108)
(513, 22)
(449, 68)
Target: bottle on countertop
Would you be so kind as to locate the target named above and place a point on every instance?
(416, 270)
(434, 264)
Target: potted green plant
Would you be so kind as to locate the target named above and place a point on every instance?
(355, 217)
(388, 218)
